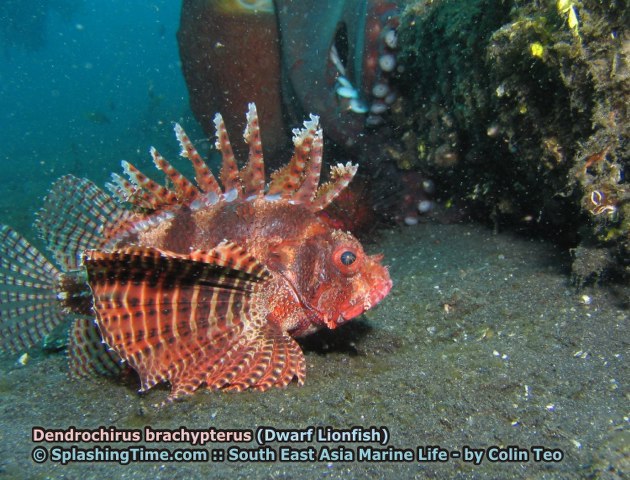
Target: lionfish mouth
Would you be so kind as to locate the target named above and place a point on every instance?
(378, 293)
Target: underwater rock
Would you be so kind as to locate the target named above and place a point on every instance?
(520, 112)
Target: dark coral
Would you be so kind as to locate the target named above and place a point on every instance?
(519, 111)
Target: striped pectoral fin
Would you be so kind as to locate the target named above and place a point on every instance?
(293, 368)
(166, 313)
(88, 355)
(186, 381)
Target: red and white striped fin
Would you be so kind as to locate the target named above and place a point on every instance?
(229, 373)
(253, 173)
(126, 192)
(29, 308)
(229, 168)
(233, 363)
(297, 182)
(340, 176)
(229, 254)
(306, 192)
(203, 176)
(276, 359)
(186, 192)
(203, 308)
(77, 215)
(88, 355)
(156, 195)
(222, 360)
(287, 363)
(288, 179)
(121, 188)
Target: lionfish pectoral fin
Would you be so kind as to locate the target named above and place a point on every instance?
(170, 315)
(87, 354)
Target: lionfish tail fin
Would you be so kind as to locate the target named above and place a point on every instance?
(36, 298)
(30, 307)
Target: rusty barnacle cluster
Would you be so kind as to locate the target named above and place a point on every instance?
(601, 182)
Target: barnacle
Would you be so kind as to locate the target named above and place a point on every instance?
(602, 204)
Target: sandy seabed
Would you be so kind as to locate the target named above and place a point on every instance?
(483, 342)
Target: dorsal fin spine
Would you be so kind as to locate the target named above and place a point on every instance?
(186, 192)
(306, 192)
(297, 182)
(229, 169)
(253, 174)
(204, 177)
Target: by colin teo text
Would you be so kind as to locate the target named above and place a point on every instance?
(491, 454)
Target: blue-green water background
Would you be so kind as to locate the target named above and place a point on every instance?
(104, 85)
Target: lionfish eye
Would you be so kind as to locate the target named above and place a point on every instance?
(348, 258)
